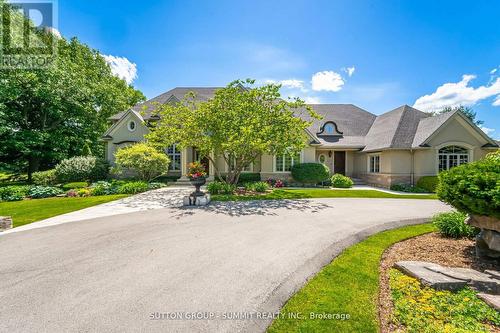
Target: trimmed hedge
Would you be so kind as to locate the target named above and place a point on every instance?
(408, 188)
(473, 188)
(45, 177)
(82, 168)
(74, 185)
(246, 177)
(428, 183)
(310, 173)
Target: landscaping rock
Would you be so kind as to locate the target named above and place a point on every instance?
(482, 247)
(484, 222)
(480, 281)
(491, 300)
(426, 274)
(492, 239)
(450, 278)
(5, 223)
(495, 274)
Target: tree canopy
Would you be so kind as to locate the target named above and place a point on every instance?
(467, 111)
(240, 123)
(55, 112)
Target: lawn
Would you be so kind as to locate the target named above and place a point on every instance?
(27, 211)
(319, 193)
(348, 285)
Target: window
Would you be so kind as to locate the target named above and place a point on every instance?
(329, 129)
(175, 158)
(284, 163)
(322, 158)
(374, 163)
(451, 156)
(131, 126)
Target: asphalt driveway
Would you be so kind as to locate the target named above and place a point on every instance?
(153, 271)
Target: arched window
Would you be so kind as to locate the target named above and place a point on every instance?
(451, 156)
(329, 129)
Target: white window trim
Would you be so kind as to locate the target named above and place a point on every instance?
(319, 157)
(470, 150)
(301, 159)
(379, 163)
(130, 122)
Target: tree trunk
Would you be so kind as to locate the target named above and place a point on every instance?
(33, 165)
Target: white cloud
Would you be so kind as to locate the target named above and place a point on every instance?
(292, 83)
(312, 100)
(487, 130)
(54, 31)
(349, 70)
(493, 71)
(122, 67)
(458, 93)
(327, 81)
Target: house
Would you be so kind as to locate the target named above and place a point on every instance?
(399, 146)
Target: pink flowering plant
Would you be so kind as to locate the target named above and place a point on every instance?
(196, 170)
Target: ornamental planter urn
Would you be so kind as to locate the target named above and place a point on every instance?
(198, 182)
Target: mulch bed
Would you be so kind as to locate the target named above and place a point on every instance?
(429, 247)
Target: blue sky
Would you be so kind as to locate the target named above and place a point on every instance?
(377, 55)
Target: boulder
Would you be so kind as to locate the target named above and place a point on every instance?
(5, 222)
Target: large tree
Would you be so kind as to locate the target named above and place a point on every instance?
(51, 113)
(240, 123)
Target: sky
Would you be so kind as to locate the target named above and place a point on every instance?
(377, 55)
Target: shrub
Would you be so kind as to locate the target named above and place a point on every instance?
(81, 168)
(84, 192)
(13, 193)
(473, 188)
(155, 185)
(74, 185)
(248, 177)
(144, 160)
(133, 187)
(276, 183)
(103, 188)
(260, 187)
(45, 177)
(407, 188)
(453, 225)
(38, 192)
(72, 193)
(220, 188)
(310, 173)
(428, 183)
(341, 181)
(214, 187)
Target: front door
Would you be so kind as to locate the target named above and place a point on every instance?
(339, 162)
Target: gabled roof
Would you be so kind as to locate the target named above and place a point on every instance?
(426, 127)
(107, 134)
(176, 94)
(394, 129)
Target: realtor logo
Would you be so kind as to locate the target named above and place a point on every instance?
(28, 34)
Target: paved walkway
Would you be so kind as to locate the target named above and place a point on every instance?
(119, 273)
(156, 199)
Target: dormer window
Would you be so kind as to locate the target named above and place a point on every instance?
(330, 128)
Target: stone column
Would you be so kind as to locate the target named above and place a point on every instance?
(184, 162)
(211, 168)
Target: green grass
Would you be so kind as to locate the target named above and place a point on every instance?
(348, 285)
(28, 211)
(319, 193)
